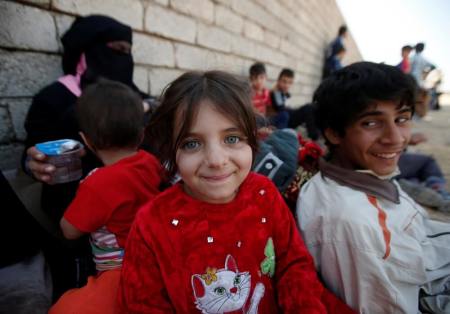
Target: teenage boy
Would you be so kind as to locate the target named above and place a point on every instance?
(260, 94)
(278, 115)
(372, 244)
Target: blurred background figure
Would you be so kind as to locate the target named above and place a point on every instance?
(335, 52)
(405, 64)
(420, 67)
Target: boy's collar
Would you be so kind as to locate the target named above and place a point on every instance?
(362, 180)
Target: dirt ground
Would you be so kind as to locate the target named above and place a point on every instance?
(436, 126)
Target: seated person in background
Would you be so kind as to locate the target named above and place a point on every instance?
(373, 246)
(422, 178)
(94, 46)
(333, 62)
(260, 94)
(277, 113)
(109, 115)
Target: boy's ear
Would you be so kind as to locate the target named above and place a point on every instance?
(86, 141)
(332, 136)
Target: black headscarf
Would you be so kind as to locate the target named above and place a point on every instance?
(90, 35)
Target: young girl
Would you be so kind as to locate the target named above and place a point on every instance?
(221, 240)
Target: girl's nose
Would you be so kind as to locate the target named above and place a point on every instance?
(216, 156)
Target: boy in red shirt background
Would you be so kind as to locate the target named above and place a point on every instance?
(260, 94)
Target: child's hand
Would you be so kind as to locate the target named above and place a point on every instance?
(37, 164)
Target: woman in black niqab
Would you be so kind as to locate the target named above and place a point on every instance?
(92, 37)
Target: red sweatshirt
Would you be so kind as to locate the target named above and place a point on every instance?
(187, 256)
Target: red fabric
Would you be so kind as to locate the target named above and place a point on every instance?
(98, 296)
(111, 195)
(405, 66)
(261, 101)
(168, 245)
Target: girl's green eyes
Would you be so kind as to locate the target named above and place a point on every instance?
(232, 139)
(190, 145)
(195, 144)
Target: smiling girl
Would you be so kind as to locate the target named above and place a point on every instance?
(222, 239)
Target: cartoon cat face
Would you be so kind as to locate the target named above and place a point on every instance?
(223, 290)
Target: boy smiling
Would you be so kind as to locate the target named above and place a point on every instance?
(372, 245)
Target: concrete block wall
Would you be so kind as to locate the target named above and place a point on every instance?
(170, 37)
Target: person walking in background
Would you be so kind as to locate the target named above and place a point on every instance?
(405, 64)
(420, 66)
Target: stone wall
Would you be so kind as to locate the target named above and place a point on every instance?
(170, 37)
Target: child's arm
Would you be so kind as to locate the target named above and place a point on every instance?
(277, 100)
(87, 212)
(69, 231)
(142, 288)
(298, 286)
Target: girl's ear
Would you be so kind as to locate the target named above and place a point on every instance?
(86, 141)
(332, 136)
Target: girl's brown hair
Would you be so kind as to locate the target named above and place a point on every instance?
(182, 98)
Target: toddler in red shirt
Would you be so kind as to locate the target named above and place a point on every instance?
(222, 239)
(111, 117)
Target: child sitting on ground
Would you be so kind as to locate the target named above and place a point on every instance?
(222, 240)
(260, 94)
(111, 117)
(372, 244)
(278, 115)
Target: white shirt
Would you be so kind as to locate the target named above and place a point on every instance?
(418, 65)
(374, 264)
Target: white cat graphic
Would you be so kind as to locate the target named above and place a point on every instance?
(225, 290)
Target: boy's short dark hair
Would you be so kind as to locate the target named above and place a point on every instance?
(342, 30)
(407, 48)
(286, 72)
(256, 69)
(183, 97)
(420, 47)
(111, 115)
(346, 93)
